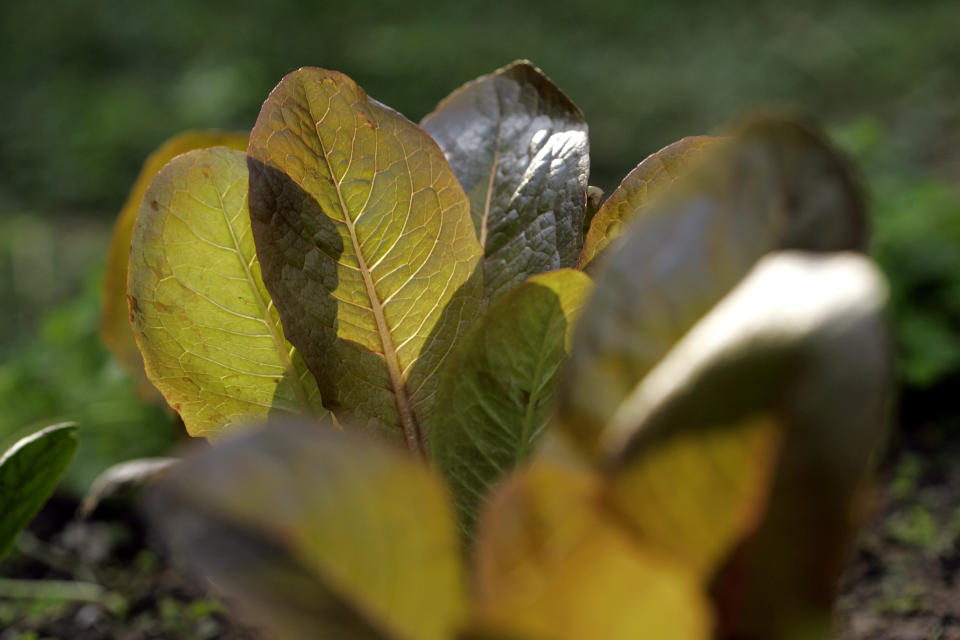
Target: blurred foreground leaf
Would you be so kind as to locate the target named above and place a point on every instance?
(315, 532)
(553, 562)
(774, 184)
(759, 429)
(641, 186)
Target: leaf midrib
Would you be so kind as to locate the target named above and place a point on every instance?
(523, 443)
(484, 221)
(408, 421)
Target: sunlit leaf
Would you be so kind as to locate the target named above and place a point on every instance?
(519, 147)
(114, 317)
(497, 393)
(642, 185)
(367, 248)
(29, 472)
(774, 184)
(318, 533)
(210, 336)
(552, 563)
(765, 419)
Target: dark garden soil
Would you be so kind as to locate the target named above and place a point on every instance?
(903, 582)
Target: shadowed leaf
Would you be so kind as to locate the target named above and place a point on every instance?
(765, 419)
(319, 533)
(497, 392)
(650, 178)
(29, 472)
(552, 563)
(774, 184)
(519, 147)
(210, 336)
(114, 316)
(367, 248)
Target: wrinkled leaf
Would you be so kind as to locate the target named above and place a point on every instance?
(519, 147)
(552, 563)
(121, 477)
(642, 185)
(367, 248)
(774, 184)
(29, 472)
(114, 316)
(497, 393)
(316, 532)
(798, 354)
(210, 336)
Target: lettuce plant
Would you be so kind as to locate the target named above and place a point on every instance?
(488, 413)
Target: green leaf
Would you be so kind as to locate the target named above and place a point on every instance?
(29, 472)
(553, 562)
(785, 384)
(642, 185)
(315, 532)
(210, 336)
(774, 184)
(367, 248)
(519, 147)
(114, 316)
(497, 392)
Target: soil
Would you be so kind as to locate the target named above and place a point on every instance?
(903, 582)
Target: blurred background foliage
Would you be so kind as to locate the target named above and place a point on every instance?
(91, 87)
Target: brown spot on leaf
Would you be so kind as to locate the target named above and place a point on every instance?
(133, 308)
(154, 205)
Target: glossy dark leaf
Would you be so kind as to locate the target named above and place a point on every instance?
(519, 147)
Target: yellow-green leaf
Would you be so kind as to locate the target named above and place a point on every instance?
(519, 146)
(774, 184)
(497, 391)
(367, 248)
(209, 333)
(318, 533)
(784, 383)
(642, 185)
(551, 563)
(114, 315)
